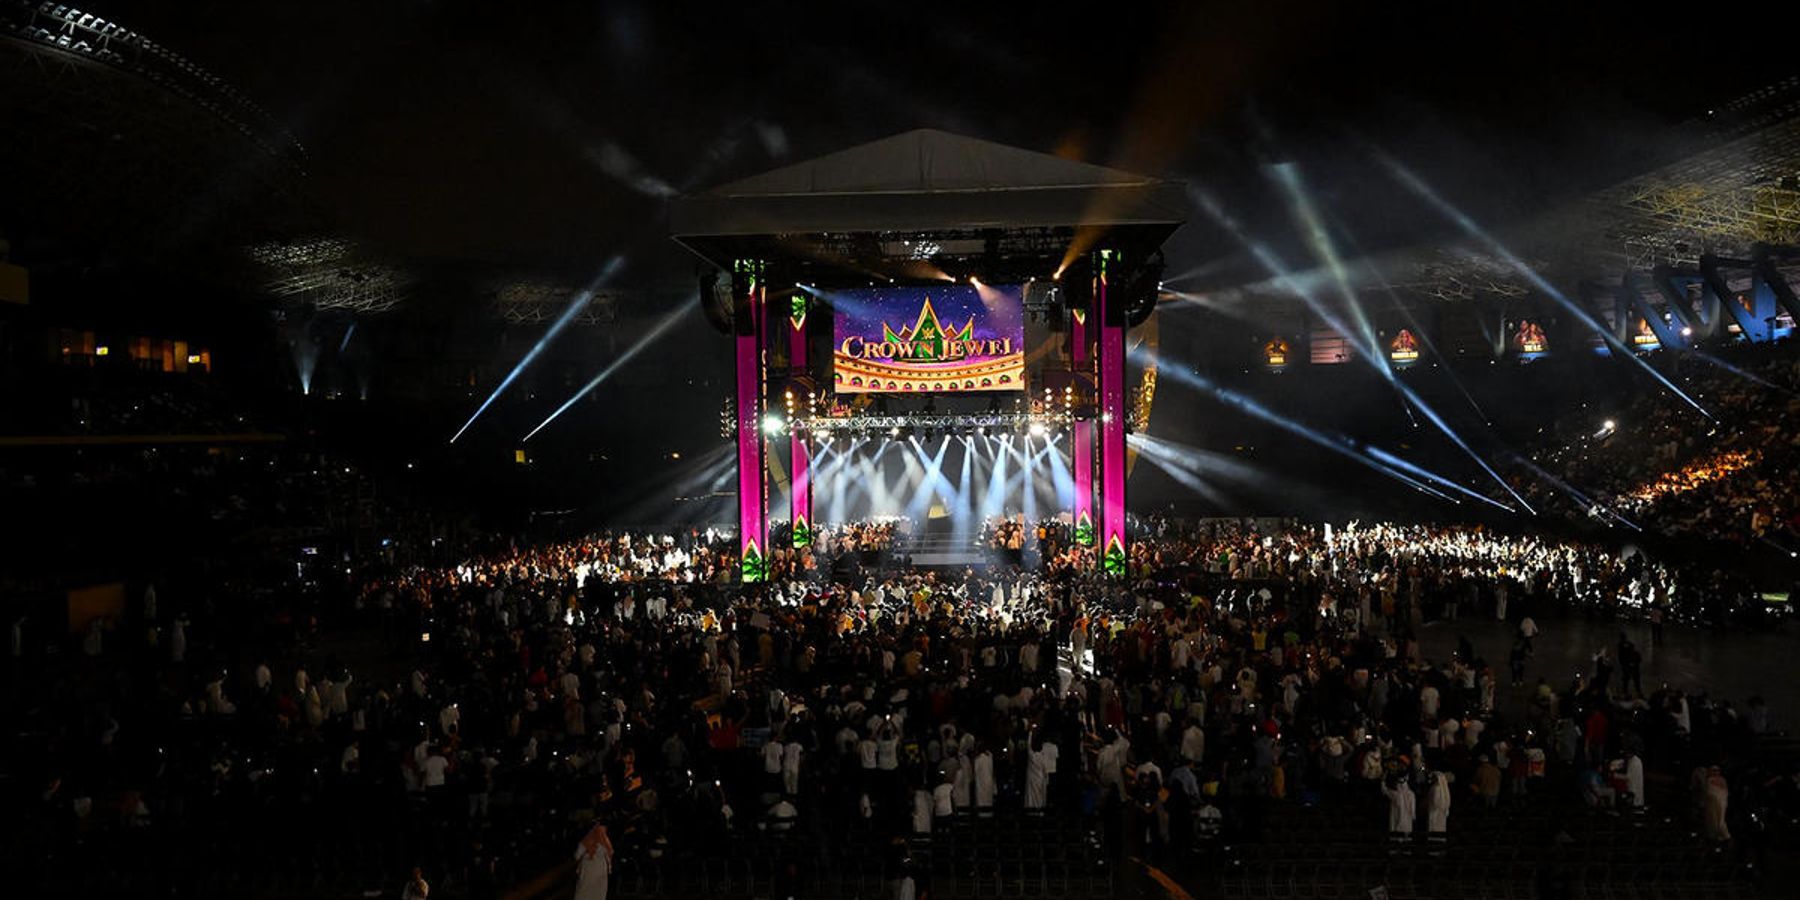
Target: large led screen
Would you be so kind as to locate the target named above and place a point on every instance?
(929, 339)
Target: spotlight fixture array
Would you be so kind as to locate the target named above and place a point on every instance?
(926, 424)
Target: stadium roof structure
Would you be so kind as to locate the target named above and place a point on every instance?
(1733, 199)
(118, 140)
(330, 273)
(922, 195)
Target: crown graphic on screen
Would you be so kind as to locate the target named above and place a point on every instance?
(927, 335)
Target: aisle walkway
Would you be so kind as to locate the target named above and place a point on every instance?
(1730, 664)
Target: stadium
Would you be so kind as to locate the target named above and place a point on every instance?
(1171, 451)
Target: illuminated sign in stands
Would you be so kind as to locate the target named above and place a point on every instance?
(1275, 353)
(1404, 348)
(1529, 340)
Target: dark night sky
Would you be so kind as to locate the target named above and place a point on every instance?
(457, 131)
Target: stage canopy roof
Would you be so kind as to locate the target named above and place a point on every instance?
(925, 182)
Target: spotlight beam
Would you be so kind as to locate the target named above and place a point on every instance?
(994, 503)
(1288, 175)
(1337, 445)
(1406, 310)
(1425, 191)
(1748, 376)
(1313, 228)
(1183, 471)
(575, 306)
(931, 481)
(1063, 478)
(1586, 502)
(661, 328)
(1402, 464)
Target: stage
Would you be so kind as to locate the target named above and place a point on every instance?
(932, 327)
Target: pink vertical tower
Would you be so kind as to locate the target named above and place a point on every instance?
(747, 291)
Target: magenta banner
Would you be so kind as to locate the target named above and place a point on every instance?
(929, 339)
(1112, 428)
(799, 450)
(1084, 482)
(1081, 360)
(752, 524)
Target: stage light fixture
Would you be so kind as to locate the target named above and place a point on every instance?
(1037, 429)
(772, 424)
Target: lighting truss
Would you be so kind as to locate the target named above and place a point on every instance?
(62, 28)
(1012, 253)
(1460, 275)
(1756, 110)
(921, 421)
(537, 303)
(328, 273)
(1722, 201)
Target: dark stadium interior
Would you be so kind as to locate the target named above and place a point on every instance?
(470, 450)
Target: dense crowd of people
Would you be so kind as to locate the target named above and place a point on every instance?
(622, 690)
(1728, 474)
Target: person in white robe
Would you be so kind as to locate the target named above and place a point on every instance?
(790, 767)
(1039, 766)
(1110, 764)
(984, 780)
(1193, 743)
(593, 864)
(1402, 808)
(921, 811)
(943, 800)
(1437, 818)
(962, 780)
(1634, 779)
(1713, 804)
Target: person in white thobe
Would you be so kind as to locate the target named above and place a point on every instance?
(1634, 779)
(1402, 807)
(962, 780)
(1110, 764)
(790, 767)
(943, 800)
(1039, 766)
(984, 780)
(593, 865)
(1193, 743)
(1437, 818)
(921, 811)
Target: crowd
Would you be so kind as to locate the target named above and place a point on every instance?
(618, 697)
(1662, 465)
